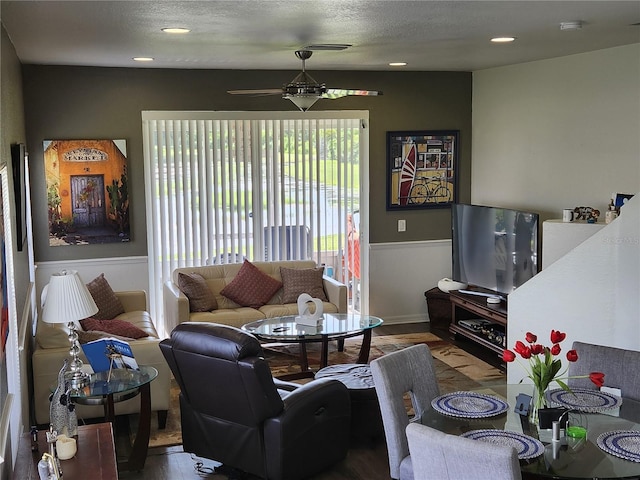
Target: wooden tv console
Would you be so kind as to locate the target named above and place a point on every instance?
(465, 307)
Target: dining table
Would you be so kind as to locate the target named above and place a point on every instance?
(608, 446)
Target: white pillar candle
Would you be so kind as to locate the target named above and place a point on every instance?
(66, 447)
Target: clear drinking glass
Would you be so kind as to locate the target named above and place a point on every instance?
(576, 431)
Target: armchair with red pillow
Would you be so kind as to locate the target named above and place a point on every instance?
(133, 324)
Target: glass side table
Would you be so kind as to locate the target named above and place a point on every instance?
(122, 385)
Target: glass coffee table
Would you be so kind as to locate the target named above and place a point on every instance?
(334, 326)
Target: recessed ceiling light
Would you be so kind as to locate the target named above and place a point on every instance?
(398, 64)
(503, 39)
(143, 59)
(175, 30)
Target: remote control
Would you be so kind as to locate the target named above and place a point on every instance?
(481, 294)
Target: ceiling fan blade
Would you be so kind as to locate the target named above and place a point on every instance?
(327, 46)
(263, 91)
(344, 92)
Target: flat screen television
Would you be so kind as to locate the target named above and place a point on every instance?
(493, 248)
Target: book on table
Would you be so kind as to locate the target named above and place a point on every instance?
(109, 353)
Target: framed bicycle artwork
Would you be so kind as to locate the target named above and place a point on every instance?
(422, 169)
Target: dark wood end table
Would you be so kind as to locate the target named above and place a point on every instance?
(95, 458)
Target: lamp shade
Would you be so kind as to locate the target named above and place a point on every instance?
(68, 299)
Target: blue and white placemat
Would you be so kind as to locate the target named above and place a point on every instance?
(621, 443)
(469, 405)
(526, 446)
(584, 399)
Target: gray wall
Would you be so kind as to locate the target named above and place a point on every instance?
(85, 103)
(12, 130)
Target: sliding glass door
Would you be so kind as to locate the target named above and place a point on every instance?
(225, 186)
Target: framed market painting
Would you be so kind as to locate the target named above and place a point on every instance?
(87, 191)
(422, 169)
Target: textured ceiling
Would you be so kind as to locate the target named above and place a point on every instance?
(263, 34)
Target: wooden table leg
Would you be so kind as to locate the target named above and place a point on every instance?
(109, 409)
(365, 347)
(304, 361)
(140, 447)
(324, 355)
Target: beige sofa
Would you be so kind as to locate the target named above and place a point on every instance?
(52, 347)
(176, 303)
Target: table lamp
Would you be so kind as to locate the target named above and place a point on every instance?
(68, 301)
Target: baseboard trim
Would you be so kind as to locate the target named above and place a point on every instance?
(399, 319)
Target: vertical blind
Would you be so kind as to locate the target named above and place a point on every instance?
(228, 186)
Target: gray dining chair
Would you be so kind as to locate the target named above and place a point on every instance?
(437, 455)
(407, 373)
(621, 368)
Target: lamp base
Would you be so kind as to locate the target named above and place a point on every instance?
(77, 380)
(75, 376)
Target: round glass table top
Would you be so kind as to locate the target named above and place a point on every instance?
(560, 459)
(121, 381)
(333, 325)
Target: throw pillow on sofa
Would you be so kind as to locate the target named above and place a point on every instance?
(109, 305)
(251, 287)
(92, 335)
(121, 328)
(296, 281)
(194, 286)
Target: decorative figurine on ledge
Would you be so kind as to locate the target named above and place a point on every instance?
(62, 413)
(589, 214)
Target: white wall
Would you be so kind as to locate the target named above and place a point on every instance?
(559, 238)
(400, 273)
(122, 273)
(592, 293)
(557, 133)
(547, 135)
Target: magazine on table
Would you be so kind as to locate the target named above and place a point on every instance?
(109, 353)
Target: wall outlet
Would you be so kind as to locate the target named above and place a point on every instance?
(402, 225)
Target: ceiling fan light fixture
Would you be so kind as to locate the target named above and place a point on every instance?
(303, 102)
(295, 89)
(304, 91)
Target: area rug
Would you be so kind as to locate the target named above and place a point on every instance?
(455, 369)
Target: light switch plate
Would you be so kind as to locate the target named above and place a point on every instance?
(402, 225)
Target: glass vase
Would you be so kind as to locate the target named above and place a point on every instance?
(538, 401)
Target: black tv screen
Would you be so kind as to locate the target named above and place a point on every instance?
(493, 248)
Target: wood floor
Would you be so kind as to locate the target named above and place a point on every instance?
(362, 462)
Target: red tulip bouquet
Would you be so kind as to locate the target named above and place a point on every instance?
(545, 366)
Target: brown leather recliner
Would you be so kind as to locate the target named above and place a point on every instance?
(234, 412)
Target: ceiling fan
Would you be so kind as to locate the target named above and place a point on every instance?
(304, 91)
